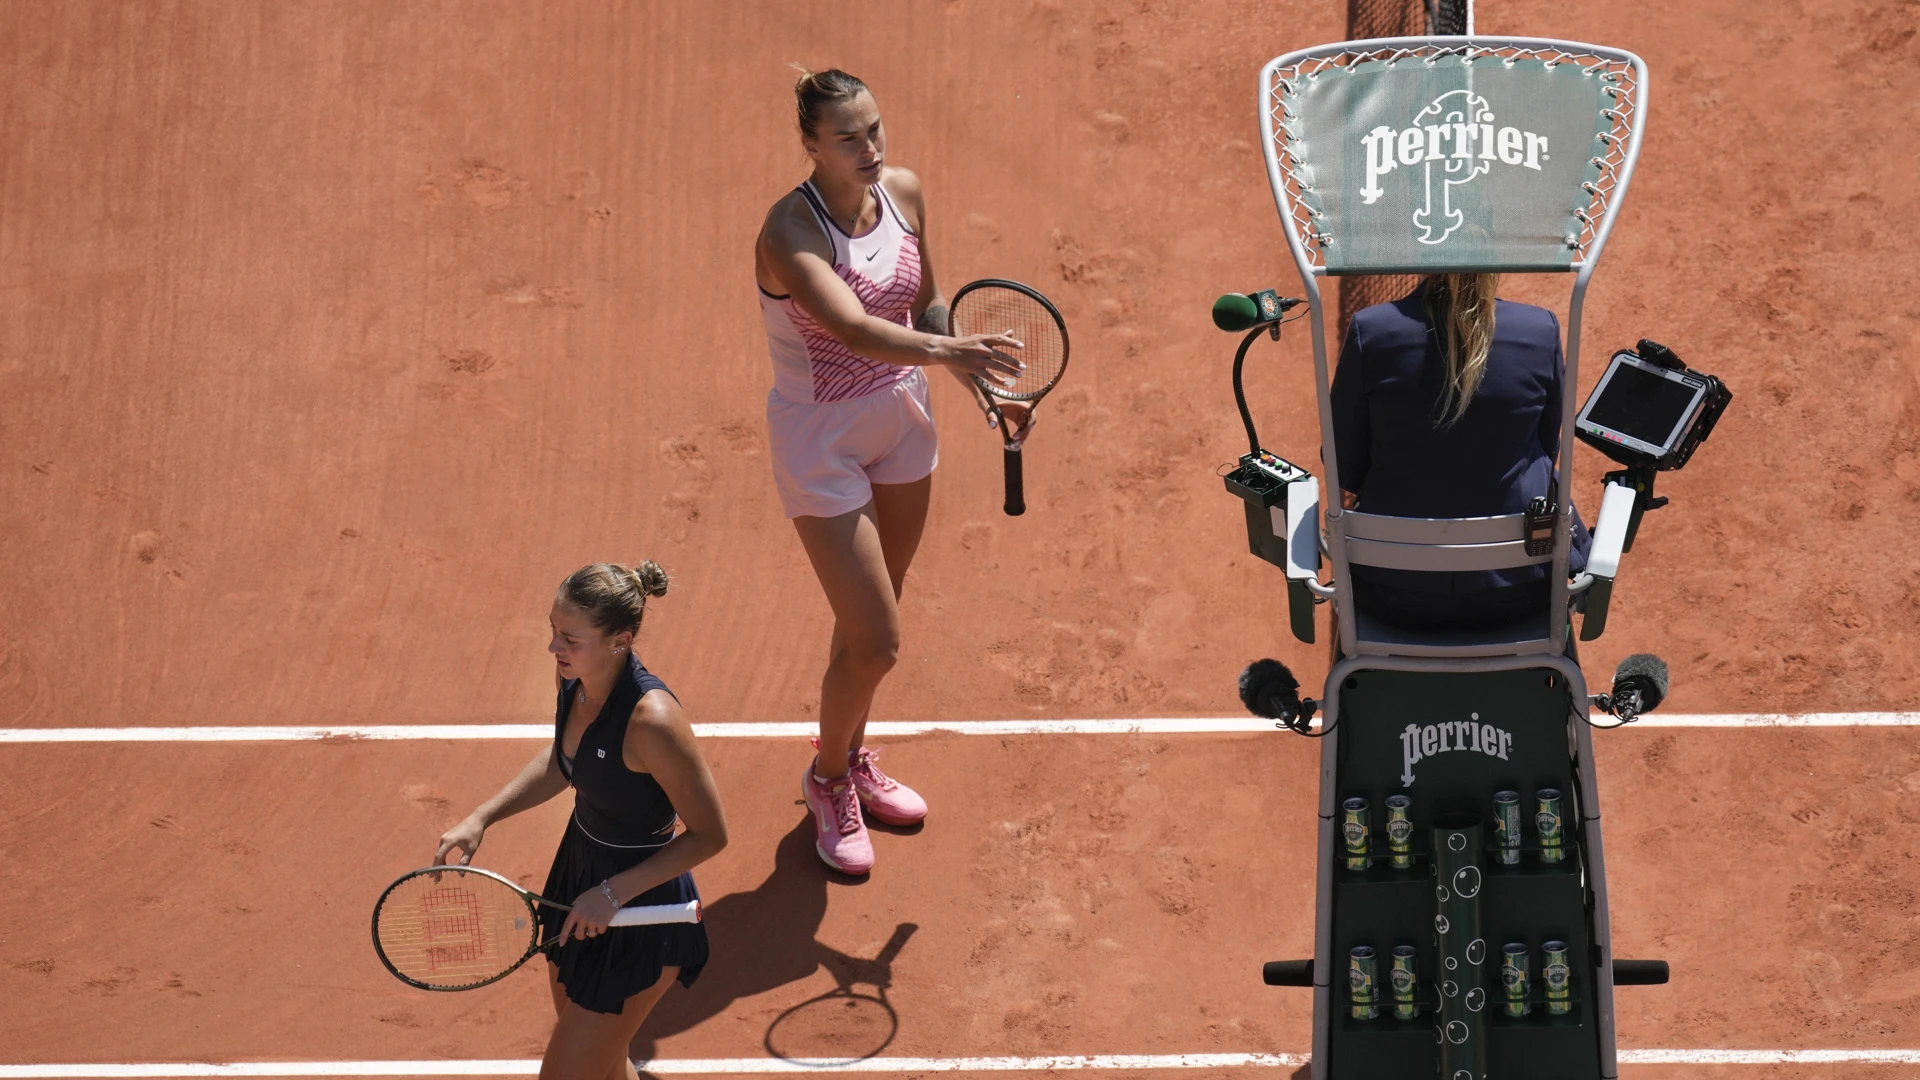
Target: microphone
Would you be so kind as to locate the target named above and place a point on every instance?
(1268, 689)
(1234, 311)
(1639, 686)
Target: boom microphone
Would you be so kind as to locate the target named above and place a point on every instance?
(1234, 311)
(1268, 689)
(1639, 686)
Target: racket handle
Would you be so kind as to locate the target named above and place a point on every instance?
(657, 914)
(1016, 493)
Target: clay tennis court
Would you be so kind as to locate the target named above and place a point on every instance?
(335, 335)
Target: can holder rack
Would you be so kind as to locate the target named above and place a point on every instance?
(1531, 901)
(1427, 1003)
(1380, 868)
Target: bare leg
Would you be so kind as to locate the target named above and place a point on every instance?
(593, 1046)
(861, 560)
(901, 512)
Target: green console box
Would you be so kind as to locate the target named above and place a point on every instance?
(1447, 742)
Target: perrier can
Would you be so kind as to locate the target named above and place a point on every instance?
(1506, 826)
(1400, 832)
(1400, 975)
(1513, 977)
(1361, 979)
(1547, 821)
(1553, 969)
(1354, 827)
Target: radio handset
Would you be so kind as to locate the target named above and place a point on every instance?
(1542, 513)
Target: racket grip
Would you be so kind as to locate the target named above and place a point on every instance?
(1016, 493)
(657, 914)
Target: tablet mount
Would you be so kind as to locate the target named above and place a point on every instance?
(1635, 419)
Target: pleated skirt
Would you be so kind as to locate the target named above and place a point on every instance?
(601, 973)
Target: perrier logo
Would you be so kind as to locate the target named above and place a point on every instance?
(1420, 742)
(1453, 141)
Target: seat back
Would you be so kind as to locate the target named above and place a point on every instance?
(1435, 545)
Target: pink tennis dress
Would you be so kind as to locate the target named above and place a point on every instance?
(840, 422)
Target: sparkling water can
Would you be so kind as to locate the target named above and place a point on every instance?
(1361, 976)
(1400, 831)
(1513, 977)
(1401, 976)
(1554, 970)
(1354, 828)
(1548, 822)
(1506, 826)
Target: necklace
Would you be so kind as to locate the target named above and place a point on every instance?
(853, 219)
(585, 703)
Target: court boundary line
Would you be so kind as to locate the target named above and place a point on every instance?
(774, 1066)
(1181, 725)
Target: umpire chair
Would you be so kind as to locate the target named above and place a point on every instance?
(1453, 155)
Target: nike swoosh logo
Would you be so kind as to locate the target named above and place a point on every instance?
(873, 256)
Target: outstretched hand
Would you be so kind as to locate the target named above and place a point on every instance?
(464, 838)
(985, 356)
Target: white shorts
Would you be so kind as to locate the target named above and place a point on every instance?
(827, 457)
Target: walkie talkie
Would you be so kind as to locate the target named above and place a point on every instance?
(1542, 513)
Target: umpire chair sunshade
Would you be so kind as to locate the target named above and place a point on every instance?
(1453, 155)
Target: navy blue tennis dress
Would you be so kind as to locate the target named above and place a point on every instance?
(620, 818)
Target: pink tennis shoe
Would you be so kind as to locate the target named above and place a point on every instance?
(839, 835)
(887, 799)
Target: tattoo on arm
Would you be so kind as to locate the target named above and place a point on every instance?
(934, 321)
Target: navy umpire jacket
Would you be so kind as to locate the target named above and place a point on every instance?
(1386, 395)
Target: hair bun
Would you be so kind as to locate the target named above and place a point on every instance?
(651, 579)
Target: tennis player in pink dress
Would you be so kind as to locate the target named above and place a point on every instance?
(853, 320)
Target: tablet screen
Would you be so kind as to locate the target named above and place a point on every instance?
(1642, 405)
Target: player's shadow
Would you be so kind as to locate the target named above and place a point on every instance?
(762, 939)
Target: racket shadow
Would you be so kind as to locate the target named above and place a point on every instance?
(845, 1024)
(763, 939)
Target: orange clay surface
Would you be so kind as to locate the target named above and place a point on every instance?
(333, 335)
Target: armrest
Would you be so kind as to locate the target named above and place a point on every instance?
(1303, 530)
(1610, 531)
(1603, 559)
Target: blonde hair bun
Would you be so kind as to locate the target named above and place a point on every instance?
(651, 580)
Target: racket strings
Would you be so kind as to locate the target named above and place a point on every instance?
(460, 930)
(996, 311)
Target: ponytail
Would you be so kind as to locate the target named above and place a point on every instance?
(1460, 308)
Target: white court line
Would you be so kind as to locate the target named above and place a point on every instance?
(1178, 725)
(667, 1066)
(773, 1066)
(773, 730)
(1770, 1057)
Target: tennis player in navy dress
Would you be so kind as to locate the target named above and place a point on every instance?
(645, 812)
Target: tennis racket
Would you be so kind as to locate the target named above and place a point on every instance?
(994, 306)
(458, 927)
